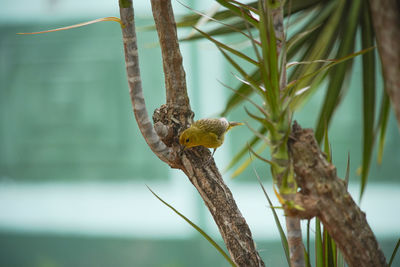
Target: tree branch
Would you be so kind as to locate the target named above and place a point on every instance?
(174, 117)
(293, 226)
(175, 82)
(135, 84)
(386, 20)
(324, 195)
(220, 202)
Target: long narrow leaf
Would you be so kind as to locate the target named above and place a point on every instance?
(319, 253)
(192, 19)
(300, 36)
(334, 252)
(246, 7)
(244, 90)
(330, 65)
(209, 239)
(368, 60)
(327, 147)
(248, 161)
(295, 63)
(295, 6)
(253, 84)
(239, 12)
(394, 253)
(273, 164)
(308, 263)
(254, 43)
(277, 222)
(226, 47)
(347, 176)
(266, 45)
(259, 89)
(245, 149)
(246, 98)
(115, 19)
(383, 121)
(319, 48)
(328, 250)
(337, 74)
(234, 26)
(264, 121)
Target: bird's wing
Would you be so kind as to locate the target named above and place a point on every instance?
(216, 126)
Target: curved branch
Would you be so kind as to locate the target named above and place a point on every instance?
(135, 84)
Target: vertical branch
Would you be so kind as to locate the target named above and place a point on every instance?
(293, 226)
(135, 83)
(386, 20)
(295, 242)
(175, 81)
(174, 116)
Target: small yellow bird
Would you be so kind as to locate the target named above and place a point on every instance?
(209, 133)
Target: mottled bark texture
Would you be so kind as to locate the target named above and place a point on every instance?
(135, 85)
(324, 195)
(175, 82)
(386, 21)
(220, 202)
(173, 117)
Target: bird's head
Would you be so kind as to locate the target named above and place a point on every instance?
(188, 138)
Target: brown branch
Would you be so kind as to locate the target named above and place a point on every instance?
(220, 202)
(175, 82)
(324, 195)
(175, 116)
(386, 20)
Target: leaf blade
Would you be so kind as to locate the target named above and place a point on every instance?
(206, 236)
(368, 78)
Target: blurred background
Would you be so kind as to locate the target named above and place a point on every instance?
(74, 166)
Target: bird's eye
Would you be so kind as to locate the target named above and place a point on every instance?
(187, 140)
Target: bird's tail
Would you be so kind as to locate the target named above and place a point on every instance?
(233, 124)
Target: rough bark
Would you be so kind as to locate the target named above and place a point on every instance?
(135, 86)
(219, 200)
(295, 241)
(386, 21)
(175, 82)
(324, 195)
(173, 117)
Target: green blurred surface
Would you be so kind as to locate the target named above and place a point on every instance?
(17, 250)
(65, 112)
(64, 105)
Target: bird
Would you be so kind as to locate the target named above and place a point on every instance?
(209, 133)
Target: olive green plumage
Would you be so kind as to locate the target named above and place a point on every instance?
(206, 132)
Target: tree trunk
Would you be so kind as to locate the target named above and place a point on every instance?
(386, 20)
(324, 195)
(173, 117)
